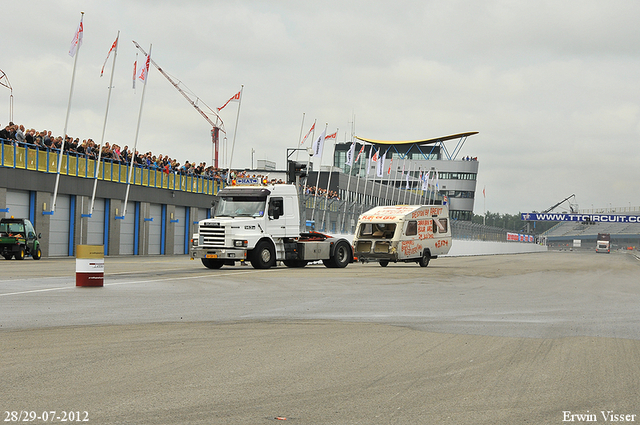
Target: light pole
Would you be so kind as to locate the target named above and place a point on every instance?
(253, 151)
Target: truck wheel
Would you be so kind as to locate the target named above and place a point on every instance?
(341, 256)
(384, 263)
(37, 254)
(210, 263)
(20, 254)
(424, 260)
(263, 255)
(296, 264)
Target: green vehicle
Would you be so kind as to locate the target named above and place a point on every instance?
(18, 239)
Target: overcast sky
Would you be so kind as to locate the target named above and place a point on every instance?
(552, 87)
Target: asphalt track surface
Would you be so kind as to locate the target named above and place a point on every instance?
(508, 339)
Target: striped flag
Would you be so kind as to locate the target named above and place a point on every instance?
(113, 47)
(144, 71)
(77, 39)
(313, 127)
(234, 98)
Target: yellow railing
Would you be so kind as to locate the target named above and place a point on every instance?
(46, 161)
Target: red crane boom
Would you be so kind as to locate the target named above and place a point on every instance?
(216, 126)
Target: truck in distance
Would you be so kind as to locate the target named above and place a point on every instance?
(603, 243)
(260, 223)
(403, 233)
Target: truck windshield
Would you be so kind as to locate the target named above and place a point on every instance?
(236, 206)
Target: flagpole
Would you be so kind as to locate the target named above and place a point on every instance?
(326, 195)
(355, 201)
(364, 189)
(104, 125)
(299, 138)
(135, 142)
(235, 131)
(346, 201)
(66, 120)
(315, 201)
(304, 189)
(404, 198)
(386, 192)
(381, 158)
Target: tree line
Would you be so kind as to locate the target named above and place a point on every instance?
(513, 223)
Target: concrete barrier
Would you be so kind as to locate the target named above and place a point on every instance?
(463, 247)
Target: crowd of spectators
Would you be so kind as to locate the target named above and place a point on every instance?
(14, 134)
(312, 190)
(17, 134)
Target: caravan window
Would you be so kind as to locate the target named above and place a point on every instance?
(440, 225)
(377, 230)
(412, 228)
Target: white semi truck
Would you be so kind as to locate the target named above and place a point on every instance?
(403, 233)
(261, 224)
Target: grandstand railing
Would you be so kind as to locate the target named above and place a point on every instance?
(46, 161)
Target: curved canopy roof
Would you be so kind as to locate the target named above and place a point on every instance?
(418, 142)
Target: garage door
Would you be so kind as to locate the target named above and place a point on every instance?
(17, 203)
(180, 222)
(126, 230)
(95, 225)
(155, 228)
(59, 227)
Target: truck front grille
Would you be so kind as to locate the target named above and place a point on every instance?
(212, 235)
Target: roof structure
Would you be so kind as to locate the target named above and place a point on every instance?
(418, 142)
(461, 137)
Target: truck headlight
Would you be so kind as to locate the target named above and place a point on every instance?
(239, 243)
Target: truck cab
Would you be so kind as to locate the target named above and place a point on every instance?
(261, 224)
(403, 233)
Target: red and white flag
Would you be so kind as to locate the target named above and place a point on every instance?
(77, 39)
(144, 70)
(390, 162)
(360, 153)
(375, 156)
(135, 64)
(332, 136)
(234, 98)
(313, 127)
(113, 47)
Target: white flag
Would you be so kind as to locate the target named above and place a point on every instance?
(350, 153)
(369, 162)
(77, 39)
(408, 171)
(425, 180)
(380, 169)
(318, 144)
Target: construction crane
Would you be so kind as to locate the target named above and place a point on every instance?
(571, 206)
(216, 127)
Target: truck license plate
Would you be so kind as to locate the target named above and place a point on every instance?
(212, 256)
